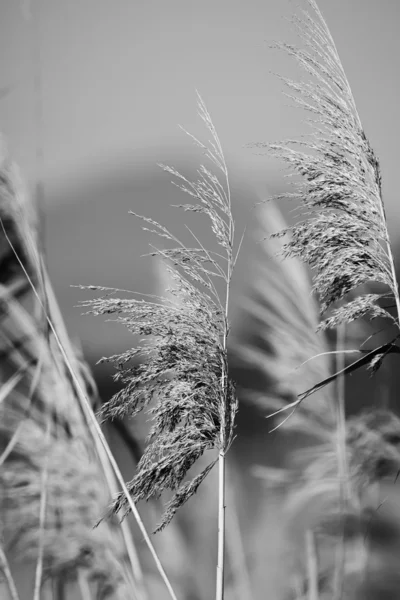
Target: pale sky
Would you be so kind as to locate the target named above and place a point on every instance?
(118, 76)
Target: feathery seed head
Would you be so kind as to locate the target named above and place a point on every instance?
(52, 482)
(179, 372)
(344, 237)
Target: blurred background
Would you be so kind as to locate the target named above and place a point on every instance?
(91, 95)
(93, 92)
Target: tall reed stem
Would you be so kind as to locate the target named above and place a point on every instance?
(6, 571)
(344, 491)
(219, 595)
(93, 424)
(92, 421)
(221, 527)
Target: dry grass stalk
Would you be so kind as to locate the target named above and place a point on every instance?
(6, 571)
(182, 377)
(373, 455)
(344, 484)
(53, 486)
(344, 237)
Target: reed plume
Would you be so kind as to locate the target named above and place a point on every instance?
(54, 483)
(182, 377)
(344, 237)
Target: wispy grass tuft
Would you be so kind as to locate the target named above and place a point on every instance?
(344, 237)
(53, 483)
(182, 375)
(372, 455)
